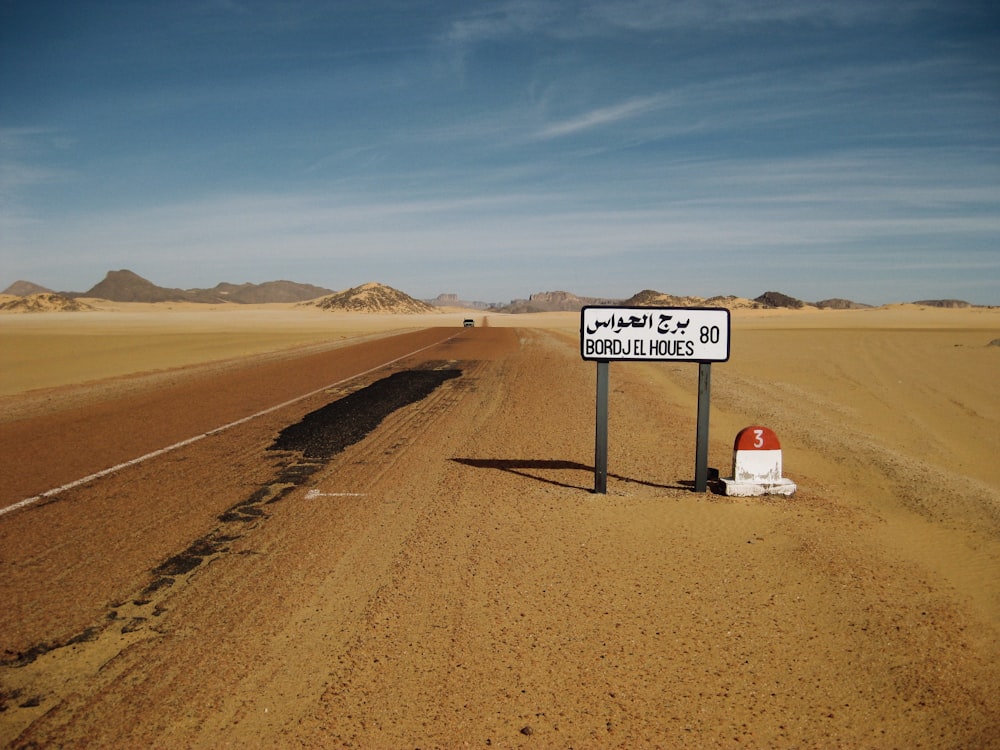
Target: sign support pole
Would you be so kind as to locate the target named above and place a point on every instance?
(601, 438)
(701, 453)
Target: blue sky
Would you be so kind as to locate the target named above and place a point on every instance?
(832, 148)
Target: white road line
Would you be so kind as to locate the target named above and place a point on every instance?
(103, 473)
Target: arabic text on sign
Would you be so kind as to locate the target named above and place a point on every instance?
(642, 321)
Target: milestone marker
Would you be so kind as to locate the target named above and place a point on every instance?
(757, 465)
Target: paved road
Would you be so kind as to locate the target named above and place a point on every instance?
(49, 451)
(64, 558)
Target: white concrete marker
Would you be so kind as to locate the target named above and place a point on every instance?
(757, 465)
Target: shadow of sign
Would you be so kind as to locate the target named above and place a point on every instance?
(547, 471)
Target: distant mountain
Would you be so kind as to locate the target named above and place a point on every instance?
(839, 304)
(554, 302)
(452, 300)
(372, 298)
(732, 302)
(566, 301)
(943, 303)
(268, 292)
(777, 299)
(652, 298)
(127, 286)
(24, 288)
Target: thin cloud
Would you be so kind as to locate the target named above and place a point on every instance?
(15, 176)
(602, 18)
(604, 116)
(655, 15)
(501, 21)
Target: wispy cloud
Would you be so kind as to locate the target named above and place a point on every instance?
(715, 210)
(597, 18)
(604, 116)
(23, 142)
(21, 169)
(502, 20)
(649, 15)
(16, 176)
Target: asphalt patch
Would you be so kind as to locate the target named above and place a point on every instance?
(329, 430)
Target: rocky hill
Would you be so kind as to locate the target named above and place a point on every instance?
(839, 304)
(652, 298)
(554, 302)
(452, 300)
(732, 302)
(266, 293)
(126, 286)
(950, 303)
(42, 302)
(372, 298)
(777, 299)
(566, 301)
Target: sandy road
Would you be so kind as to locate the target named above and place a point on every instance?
(90, 544)
(451, 581)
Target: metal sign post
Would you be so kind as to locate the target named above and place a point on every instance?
(601, 440)
(701, 451)
(685, 334)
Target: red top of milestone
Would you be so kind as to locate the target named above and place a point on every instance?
(756, 438)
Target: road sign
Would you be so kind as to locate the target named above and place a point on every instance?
(659, 334)
(686, 334)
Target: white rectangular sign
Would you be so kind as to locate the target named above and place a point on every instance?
(690, 334)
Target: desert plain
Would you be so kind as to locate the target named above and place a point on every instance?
(451, 580)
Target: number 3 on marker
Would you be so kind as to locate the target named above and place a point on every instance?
(758, 438)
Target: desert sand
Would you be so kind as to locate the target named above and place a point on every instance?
(452, 581)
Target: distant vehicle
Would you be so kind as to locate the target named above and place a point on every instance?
(469, 323)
